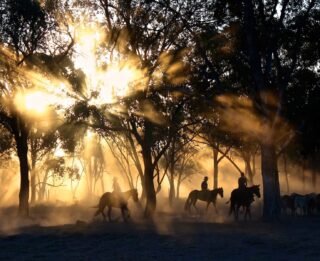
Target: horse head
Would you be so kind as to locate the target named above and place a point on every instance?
(256, 190)
(220, 192)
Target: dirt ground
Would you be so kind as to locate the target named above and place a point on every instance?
(70, 233)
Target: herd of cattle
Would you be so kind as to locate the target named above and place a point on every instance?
(303, 205)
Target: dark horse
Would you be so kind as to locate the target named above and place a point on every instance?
(120, 200)
(243, 198)
(209, 196)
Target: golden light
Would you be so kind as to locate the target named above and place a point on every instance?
(34, 102)
(110, 83)
(37, 102)
(115, 83)
(59, 152)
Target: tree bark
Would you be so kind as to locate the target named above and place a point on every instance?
(269, 168)
(178, 186)
(136, 160)
(150, 193)
(172, 173)
(171, 190)
(286, 172)
(248, 169)
(33, 185)
(215, 168)
(33, 176)
(22, 149)
(270, 177)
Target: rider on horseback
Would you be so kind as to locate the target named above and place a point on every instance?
(117, 190)
(242, 182)
(204, 184)
(116, 187)
(204, 187)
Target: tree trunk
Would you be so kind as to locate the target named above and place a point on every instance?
(248, 170)
(269, 168)
(215, 168)
(171, 180)
(314, 172)
(178, 186)
(137, 164)
(286, 172)
(42, 186)
(171, 190)
(22, 149)
(270, 177)
(150, 193)
(253, 165)
(33, 178)
(33, 185)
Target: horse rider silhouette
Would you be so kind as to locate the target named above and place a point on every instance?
(116, 186)
(242, 182)
(204, 184)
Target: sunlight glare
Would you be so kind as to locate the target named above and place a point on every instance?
(33, 102)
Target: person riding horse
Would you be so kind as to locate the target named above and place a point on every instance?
(242, 185)
(117, 190)
(204, 184)
(204, 187)
(116, 186)
(242, 182)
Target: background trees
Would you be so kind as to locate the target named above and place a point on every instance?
(154, 78)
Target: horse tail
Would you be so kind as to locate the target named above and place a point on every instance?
(188, 202)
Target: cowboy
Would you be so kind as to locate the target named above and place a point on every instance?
(204, 184)
(116, 187)
(242, 182)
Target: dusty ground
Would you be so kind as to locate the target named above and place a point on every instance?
(69, 233)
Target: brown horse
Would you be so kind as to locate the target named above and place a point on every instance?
(120, 200)
(209, 196)
(243, 198)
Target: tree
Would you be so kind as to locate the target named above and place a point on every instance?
(24, 30)
(272, 72)
(147, 35)
(41, 142)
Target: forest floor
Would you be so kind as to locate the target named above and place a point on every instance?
(70, 233)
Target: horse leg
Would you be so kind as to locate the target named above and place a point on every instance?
(104, 215)
(194, 205)
(237, 212)
(208, 203)
(100, 210)
(123, 212)
(109, 213)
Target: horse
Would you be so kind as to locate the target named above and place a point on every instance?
(209, 196)
(243, 198)
(117, 200)
(287, 202)
(306, 203)
(300, 203)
